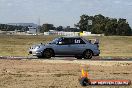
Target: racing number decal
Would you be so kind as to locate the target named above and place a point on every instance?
(77, 41)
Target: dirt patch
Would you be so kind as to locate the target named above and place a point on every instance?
(60, 73)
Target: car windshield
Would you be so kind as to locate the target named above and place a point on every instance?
(54, 41)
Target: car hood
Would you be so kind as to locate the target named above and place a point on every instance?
(37, 45)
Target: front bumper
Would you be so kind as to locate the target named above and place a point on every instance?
(35, 53)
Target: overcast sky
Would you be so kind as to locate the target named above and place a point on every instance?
(62, 12)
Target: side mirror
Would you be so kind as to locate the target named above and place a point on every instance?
(60, 43)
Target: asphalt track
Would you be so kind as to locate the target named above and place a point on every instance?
(65, 58)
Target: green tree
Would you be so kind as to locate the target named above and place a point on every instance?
(105, 25)
(123, 28)
(60, 28)
(110, 27)
(83, 23)
(47, 27)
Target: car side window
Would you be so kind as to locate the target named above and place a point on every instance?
(78, 41)
(68, 41)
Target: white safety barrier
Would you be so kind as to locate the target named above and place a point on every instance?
(84, 33)
(63, 33)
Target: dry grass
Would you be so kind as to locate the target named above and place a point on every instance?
(59, 74)
(116, 46)
(17, 45)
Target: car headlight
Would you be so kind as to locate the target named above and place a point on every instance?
(37, 47)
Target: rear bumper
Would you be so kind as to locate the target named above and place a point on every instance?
(96, 53)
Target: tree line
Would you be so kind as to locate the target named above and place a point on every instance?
(99, 24)
(104, 25)
(6, 27)
(43, 28)
(47, 27)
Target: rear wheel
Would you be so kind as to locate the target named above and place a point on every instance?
(48, 53)
(88, 54)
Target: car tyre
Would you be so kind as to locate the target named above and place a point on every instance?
(88, 54)
(48, 53)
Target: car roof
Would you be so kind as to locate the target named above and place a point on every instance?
(71, 37)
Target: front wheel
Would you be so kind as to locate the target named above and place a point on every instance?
(88, 54)
(48, 53)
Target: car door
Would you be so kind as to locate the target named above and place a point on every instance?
(79, 46)
(64, 48)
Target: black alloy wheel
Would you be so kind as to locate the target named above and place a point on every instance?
(88, 54)
(48, 53)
